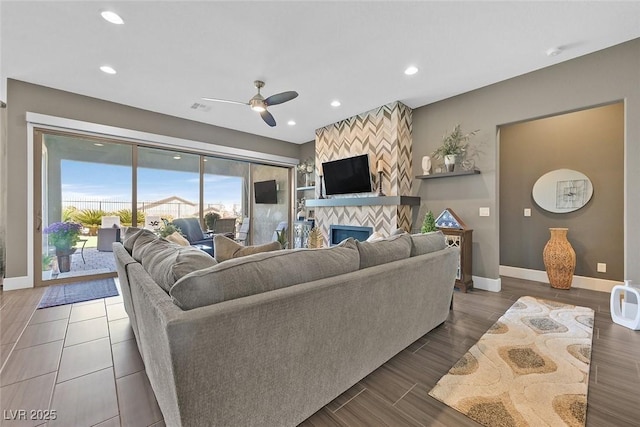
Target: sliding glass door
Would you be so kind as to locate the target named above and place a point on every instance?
(91, 188)
(83, 180)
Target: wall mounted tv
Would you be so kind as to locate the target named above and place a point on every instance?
(266, 192)
(345, 176)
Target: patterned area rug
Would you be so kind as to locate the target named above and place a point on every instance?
(531, 368)
(78, 292)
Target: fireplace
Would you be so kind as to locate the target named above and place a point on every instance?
(337, 233)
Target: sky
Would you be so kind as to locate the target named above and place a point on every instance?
(97, 181)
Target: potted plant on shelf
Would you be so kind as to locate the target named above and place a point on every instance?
(64, 236)
(454, 144)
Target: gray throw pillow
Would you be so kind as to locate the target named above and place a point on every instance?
(166, 262)
(263, 272)
(393, 248)
(425, 243)
(225, 249)
(130, 235)
(140, 242)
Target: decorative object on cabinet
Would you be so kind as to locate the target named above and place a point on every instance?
(429, 223)
(457, 234)
(426, 165)
(315, 238)
(562, 191)
(559, 259)
(454, 146)
(301, 233)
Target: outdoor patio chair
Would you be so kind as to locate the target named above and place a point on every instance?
(192, 230)
(108, 233)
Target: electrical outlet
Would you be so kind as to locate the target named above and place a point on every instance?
(602, 267)
(527, 212)
(484, 211)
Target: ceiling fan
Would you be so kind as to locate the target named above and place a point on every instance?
(259, 103)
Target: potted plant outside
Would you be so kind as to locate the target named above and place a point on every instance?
(47, 260)
(454, 144)
(210, 219)
(64, 236)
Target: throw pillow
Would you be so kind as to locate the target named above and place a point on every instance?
(263, 272)
(424, 243)
(140, 242)
(383, 251)
(375, 236)
(166, 262)
(225, 249)
(177, 238)
(397, 231)
(128, 239)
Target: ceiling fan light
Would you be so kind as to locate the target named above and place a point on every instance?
(257, 105)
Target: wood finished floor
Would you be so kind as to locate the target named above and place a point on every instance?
(81, 360)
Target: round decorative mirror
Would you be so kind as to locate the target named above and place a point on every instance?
(562, 191)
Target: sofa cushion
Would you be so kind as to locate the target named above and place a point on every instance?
(139, 242)
(177, 238)
(425, 243)
(393, 248)
(224, 248)
(128, 239)
(263, 272)
(166, 262)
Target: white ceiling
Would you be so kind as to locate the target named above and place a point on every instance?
(170, 54)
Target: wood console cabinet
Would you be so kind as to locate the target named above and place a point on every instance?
(463, 240)
(458, 235)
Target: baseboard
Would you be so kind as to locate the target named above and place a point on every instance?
(13, 283)
(582, 282)
(486, 284)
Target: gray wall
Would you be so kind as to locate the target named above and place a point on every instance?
(24, 97)
(602, 77)
(589, 141)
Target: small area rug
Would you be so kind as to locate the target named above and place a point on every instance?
(78, 292)
(531, 368)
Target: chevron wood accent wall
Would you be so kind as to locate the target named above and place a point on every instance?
(382, 133)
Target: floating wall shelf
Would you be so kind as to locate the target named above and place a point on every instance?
(449, 174)
(365, 201)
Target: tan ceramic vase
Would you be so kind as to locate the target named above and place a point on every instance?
(559, 259)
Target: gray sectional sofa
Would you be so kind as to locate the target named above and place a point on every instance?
(270, 338)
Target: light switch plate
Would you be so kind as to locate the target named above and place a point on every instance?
(602, 267)
(527, 212)
(484, 211)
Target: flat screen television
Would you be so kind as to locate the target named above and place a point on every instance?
(345, 176)
(266, 192)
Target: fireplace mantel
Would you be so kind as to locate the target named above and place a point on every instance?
(364, 201)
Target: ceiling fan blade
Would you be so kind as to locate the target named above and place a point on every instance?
(279, 98)
(225, 100)
(268, 118)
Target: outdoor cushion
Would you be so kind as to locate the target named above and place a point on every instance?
(166, 262)
(424, 243)
(225, 248)
(263, 272)
(393, 248)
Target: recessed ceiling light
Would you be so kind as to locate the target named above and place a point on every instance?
(554, 51)
(107, 69)
(97, 144)
(112, 17)
(291, 123)
(177, 157)
(335, 103)
(411, 70)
